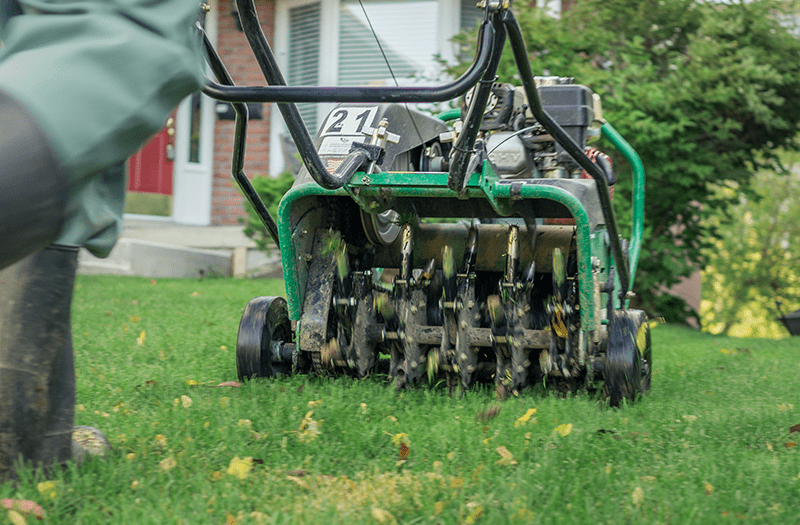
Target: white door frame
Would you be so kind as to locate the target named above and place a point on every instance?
(192, 182)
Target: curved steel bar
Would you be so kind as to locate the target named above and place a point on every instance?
(282, 93)
(575, 151)
(239, 139)
(297, 129)
(637, 231)
(462, 150)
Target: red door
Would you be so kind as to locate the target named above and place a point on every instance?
(150, 168)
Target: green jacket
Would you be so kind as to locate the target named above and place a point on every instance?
(100, 77)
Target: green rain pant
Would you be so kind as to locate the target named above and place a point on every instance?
(100, 77)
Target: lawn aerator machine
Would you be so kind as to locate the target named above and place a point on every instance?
(479, 245)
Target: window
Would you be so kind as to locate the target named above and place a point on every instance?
(407, 33)
(304, 37)
(330, 43)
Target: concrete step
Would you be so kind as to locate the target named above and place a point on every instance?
(152, 259)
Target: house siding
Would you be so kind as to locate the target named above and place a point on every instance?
(226, 201)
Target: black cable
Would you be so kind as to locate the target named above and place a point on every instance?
(391, 72)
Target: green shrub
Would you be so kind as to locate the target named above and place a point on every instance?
(271, 190)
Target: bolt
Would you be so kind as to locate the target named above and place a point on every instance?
(307, 257)
(464, 325)
(366, 180)
(471, 304)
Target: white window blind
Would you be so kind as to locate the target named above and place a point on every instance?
(304, 37)
(471, 16)
(407, 30)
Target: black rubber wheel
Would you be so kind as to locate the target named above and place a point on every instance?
(628, 363)
(265, 320)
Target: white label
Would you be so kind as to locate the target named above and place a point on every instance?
(338, 146)
(349, 121)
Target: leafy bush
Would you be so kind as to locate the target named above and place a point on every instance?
(271, 190)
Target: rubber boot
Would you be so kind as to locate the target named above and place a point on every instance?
(37, 372)
(33, 189)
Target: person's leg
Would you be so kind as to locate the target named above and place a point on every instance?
(37, 376)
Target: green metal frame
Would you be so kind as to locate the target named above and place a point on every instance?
(367, 190)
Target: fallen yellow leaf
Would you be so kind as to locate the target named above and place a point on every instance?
(382, 516)
(523, 420)
(402, 437)
(186, 401)
(438, 507)
(140, 339)
(309, 428)
(708, 487)
(167, 464)
(638, 496)
(475, 512)
(240, 468)
(563, 430)
(506, 457)
(16, 518)
(48, 488)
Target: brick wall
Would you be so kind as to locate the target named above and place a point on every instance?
(227, 201)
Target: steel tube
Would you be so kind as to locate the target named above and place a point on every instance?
(279, 92)
(239, 140)
(575, 151)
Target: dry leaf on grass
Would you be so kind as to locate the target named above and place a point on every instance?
(523, 420)
(506, 457)
(382, 516)
(167, 464)
(16, 518)
(48, 489)
(563, 430)
(240, 468)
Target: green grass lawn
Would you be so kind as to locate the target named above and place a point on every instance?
(710, 444)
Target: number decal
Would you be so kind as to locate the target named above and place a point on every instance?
(362, 120)
(350, 120)
(336, 127)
